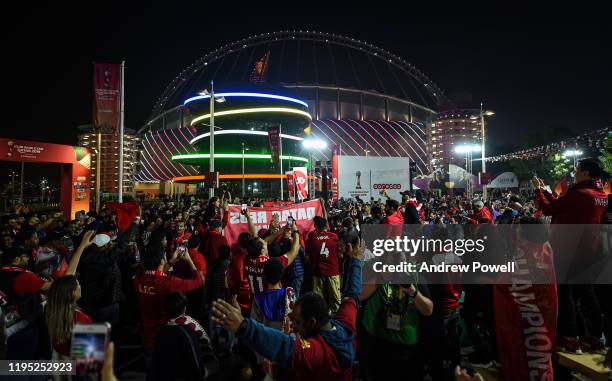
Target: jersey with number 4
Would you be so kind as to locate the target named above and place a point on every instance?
(254, 270)
(321, 249)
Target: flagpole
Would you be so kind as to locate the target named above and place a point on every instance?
(122, 113)
(280, 138)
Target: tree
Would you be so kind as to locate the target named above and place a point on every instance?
(606, 155)
(551, 168)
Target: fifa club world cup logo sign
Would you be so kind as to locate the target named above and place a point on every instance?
(358, 175)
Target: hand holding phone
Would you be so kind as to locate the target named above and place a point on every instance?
(244, 209)
(89, 342)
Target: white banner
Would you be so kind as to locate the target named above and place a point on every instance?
(368, 176)
(505, 180)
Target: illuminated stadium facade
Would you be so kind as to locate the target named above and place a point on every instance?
(350, 92)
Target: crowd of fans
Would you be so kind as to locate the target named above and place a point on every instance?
(277, 303)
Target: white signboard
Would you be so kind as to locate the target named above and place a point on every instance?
(505, 180)
(367, 176)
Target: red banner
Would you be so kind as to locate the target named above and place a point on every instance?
(106, 108)
(276, 204)
(334, 177)
(290, 185)
(274, 143)
(300, 177)
(302, 213)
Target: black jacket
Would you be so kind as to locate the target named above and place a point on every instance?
(100, 276)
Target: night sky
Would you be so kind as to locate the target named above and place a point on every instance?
(534, 68)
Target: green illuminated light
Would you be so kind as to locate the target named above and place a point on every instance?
(236, 156)
(251, 111)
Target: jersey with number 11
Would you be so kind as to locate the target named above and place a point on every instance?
(321, 249)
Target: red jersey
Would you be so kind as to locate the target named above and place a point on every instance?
(393, 219)
(254, 269)
(151, 289)
(214, 241)
(315, 359)
(237, 279)
(321, 248)
(182, 269)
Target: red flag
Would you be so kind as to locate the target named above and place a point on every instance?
(258, 75)
(334, 177)
(290, 185)
(300, 177)
(107, 98)
(126, 213)
(274, 143)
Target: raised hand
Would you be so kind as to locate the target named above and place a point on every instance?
(87, 239)
(227, 315)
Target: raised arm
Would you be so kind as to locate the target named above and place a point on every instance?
(76, 257)
(295, 244)
(252, 229)
(323, 207)
(268, 342)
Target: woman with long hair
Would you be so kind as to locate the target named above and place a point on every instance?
(62, 312)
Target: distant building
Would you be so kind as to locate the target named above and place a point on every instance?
(450, 128)
(109, 174)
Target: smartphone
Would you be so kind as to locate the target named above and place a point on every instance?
(182, 248)
(89, 342)
(290, 220)
(243, 208)
(275, 217)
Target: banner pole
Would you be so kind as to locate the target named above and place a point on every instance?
(280, 139)
(122, 113)
(98, 165)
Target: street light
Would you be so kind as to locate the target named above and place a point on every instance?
(481, 116)
(243, 150)
(310, 145)
(572, 153)
(213, 99)
(468, 149)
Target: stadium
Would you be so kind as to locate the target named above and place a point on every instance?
(365, 99)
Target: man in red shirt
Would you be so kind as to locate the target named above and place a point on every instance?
(323, 255)
(182, 235)
(237, 277)
(324, 346)
(577, 214)
(153, 285)
(214, 241)
(392, 213)
(479, 212)
(182, 269)
(257, 257)
(21, 288)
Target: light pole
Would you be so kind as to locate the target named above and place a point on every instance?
(483, 169)
(468, 149)
(572, 153)
(243, 186)
(310, 145)
(213, 99)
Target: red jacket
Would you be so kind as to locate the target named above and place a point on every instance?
(182, 269)
(482, 213)
(575, 233)
(214, 242)
(152, 287)
(238, 281)
(583, 203)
